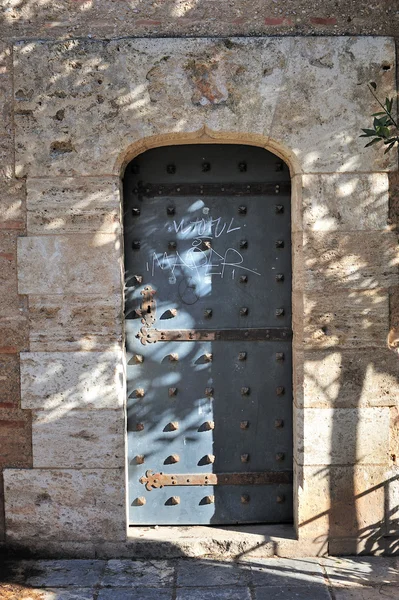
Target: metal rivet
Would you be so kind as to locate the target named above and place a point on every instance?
(279, 423)
(279, 166)
(244, 279)
(244, 424)
(172, 392)
(139, 393)
(140, 459)
(244, 458)
(245, 498)
(173, 357)
(170, 211)
(280, 499)
(279, 277)
(136, 245)
(206, 166)
(279, 244)
(242, 167)
(279, 312)
(172, 426)
(242, 210)
(138, 359)
(173, 500)
(209, 392)
(244, 311)
(277, 189)
(279, 209)
(135, 169)
(172, 459)
(208, 459)
(242, 356)
(245, 391)
(208, 313)
(208, 357)
(139, 426)
(138, 279)
(140, 501)
(171, 169)
(208, 500)
(279, 355)
(136, 211)
(207, 426)
(172, 245)
(280, 390)
(243, 244)
(280, 456)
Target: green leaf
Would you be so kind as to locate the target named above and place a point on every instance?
(373, 85)
(377, 114)
(375, 141)
(389, 147)
(369, 131)
(388, 104)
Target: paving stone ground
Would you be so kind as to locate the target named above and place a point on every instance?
(365, 578)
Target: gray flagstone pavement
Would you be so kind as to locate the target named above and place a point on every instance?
(361, 578)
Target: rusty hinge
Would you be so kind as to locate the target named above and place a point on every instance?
(159, 480)
(270, 334)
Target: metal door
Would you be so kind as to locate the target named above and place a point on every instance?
(208, 336)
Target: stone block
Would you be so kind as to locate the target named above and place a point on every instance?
(69, 323)
(337, 502)
(346, 319)
(286, 572)
(317, 591)
(13, 309)
(69, 380)
(69, 93)
(78, 439)
(12, 204)
(15, 438)
(344, 202)
(355, 260)
(208, 574)
(69, 264)
(390, 592)
(149, 594)
(57, 573)
(73, 205)
(7, 170)
(64, 505)
(321, 106)
(356, 572)
(342, 436)
(9, 381)
(138, 573)
(344, 378)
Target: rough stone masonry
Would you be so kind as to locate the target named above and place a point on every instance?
(78, 102)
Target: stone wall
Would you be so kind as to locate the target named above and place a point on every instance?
(73, 113)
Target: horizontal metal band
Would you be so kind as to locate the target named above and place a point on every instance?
(271, 334)
(213, 189)
(160, 480)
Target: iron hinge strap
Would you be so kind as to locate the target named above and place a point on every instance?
(149, 190)
(160, 480)
(270, 334)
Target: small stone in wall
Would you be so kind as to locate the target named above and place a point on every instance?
(208, 81)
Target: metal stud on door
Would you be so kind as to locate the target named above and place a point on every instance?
(208, 336)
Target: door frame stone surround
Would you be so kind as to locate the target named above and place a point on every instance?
(71, 263)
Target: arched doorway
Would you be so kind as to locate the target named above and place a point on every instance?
(208, 335)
